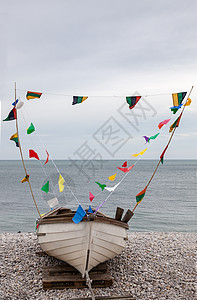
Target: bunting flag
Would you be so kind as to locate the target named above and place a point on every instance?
(45, 187)
(26, 178)
(188, 102)
(176, 123)
(178, 98)
(125, 170)
(112, 189)
(132, 101)
(33, 95)
(174, 109)
(153, 137)
(32, 153)
(12, 115)
(163, 123)
(102, 186)
(91, 196)
(162, 154)
(19, 104)
(140, 153)
(15, 102)
(61, 183)
(90, 210)
(146, 138)
(112, 177)
(14, 138)
(53, 202)
(80, 213)
(30, 129)
(77, 99)
(124, 165)
(47, 157)
(141, 195)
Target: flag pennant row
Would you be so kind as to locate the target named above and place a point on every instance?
(80, 213)
(176, 123)
(45, 187)
(141, 195)
(61, 183)
(32, 153)
(163, 123)
(140, 153)
(14, 138)
(33, 95)
(125, 170)
(11, 116)
(91, 196)
(132, 101)
(30, 129)
(77, 99)
(25, 179)
(102, 186)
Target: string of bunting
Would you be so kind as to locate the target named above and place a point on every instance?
(132, 102)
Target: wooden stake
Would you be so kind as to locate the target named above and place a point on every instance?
(166, 147)
(21, 153)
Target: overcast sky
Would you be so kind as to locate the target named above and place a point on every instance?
(106, 50)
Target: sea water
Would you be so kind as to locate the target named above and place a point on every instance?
(169, 204)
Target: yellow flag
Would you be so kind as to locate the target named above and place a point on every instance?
(140, 153)
(61, 183)
(112, 177)
(26, 178)
(188, 102)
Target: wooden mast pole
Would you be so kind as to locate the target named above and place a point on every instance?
(21, 153)
(166, 148)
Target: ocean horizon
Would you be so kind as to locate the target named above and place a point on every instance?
(169, 204)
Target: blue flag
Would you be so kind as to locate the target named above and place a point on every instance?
(80, 213)
(90, 209)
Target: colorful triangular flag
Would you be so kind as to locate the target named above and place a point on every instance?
(141, 195)
(163, 123)
(32, 153)
(11, 116)
(91, 196)
(112, 177)
(47, 158)
(80, 213)
(125, 170)
(45, 187)
(132, 101)
(77, 99)
(30, 129)
(33, 95)
(61, 183)
(14, 138)
(26, 178)
(102, 186)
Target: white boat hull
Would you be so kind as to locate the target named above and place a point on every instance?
(83, 245)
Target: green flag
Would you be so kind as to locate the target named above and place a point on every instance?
(102, 186)
(45, 187)
(30, 129)
(153, 137)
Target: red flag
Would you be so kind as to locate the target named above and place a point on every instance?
(125, 170)
(32, 153)
(91, 196)
(125, 164)
(162, 154)
(47, 158)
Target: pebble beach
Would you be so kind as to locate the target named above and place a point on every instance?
(152, 266)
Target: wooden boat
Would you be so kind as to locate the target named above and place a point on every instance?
(94, 240)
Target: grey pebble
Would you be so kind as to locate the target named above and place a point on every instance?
(152, 266)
